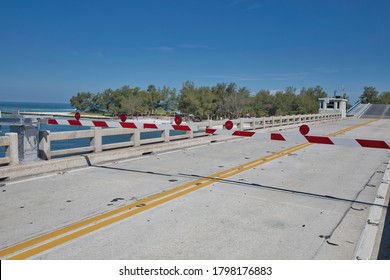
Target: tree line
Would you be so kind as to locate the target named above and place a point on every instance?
(371, 95)
(208, 102)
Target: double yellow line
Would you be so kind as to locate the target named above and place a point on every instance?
(50, 240)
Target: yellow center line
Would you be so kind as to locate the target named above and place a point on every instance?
(76, 230)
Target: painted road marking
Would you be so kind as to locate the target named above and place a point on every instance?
(50, 240)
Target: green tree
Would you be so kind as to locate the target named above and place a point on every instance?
(230, 101)
(169, 99)
(220, 105)
(207, 103)
(263, 104)
(369, 95)
(308, 99)
(104, 99)
(134, 101)
(187, 101)
(82, 101)
(384, 97)
(239, 102)
(286, 102)
(153, 99)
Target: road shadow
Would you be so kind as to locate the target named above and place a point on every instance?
(384, 248)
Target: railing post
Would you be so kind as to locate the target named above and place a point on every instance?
(190, 134)
(253, 123)
(97, 140)
(241, 124)
(12, 150)
(44, 145)
(137, 137)
(166, 135)
(263, 120)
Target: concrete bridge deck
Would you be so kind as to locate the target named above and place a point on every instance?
(237, 199)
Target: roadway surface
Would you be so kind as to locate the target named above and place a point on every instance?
(238, 199)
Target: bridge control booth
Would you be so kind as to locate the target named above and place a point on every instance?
(333, 105)
(27, 129)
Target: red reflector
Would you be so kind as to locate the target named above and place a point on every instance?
(304, 129)
(229, 125)
(178, 120)
(123, 117)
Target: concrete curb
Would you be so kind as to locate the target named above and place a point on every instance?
(367, 240)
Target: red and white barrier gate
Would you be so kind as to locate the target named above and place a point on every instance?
(122, 124)
(298, 138)
(302, 138)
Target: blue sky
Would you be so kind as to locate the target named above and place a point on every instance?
(50, 50)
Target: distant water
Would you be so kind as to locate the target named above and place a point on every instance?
(14, 107)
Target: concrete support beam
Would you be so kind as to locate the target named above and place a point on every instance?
(97, 140)
(165, 135)
(11, 151)
(136, 138)
(44, 151)
(190, 134)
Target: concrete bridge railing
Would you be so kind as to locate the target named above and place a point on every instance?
(96, 134)
(267, 122)
(10, 142)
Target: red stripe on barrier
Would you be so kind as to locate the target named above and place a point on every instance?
(52, 121)
(150, 125)
(319, 140)
(128, 125)
(100, 123)
(181, 127)
(74, 122)
(277, 136)
(210, 130)
(373, 143)
(243, 133)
